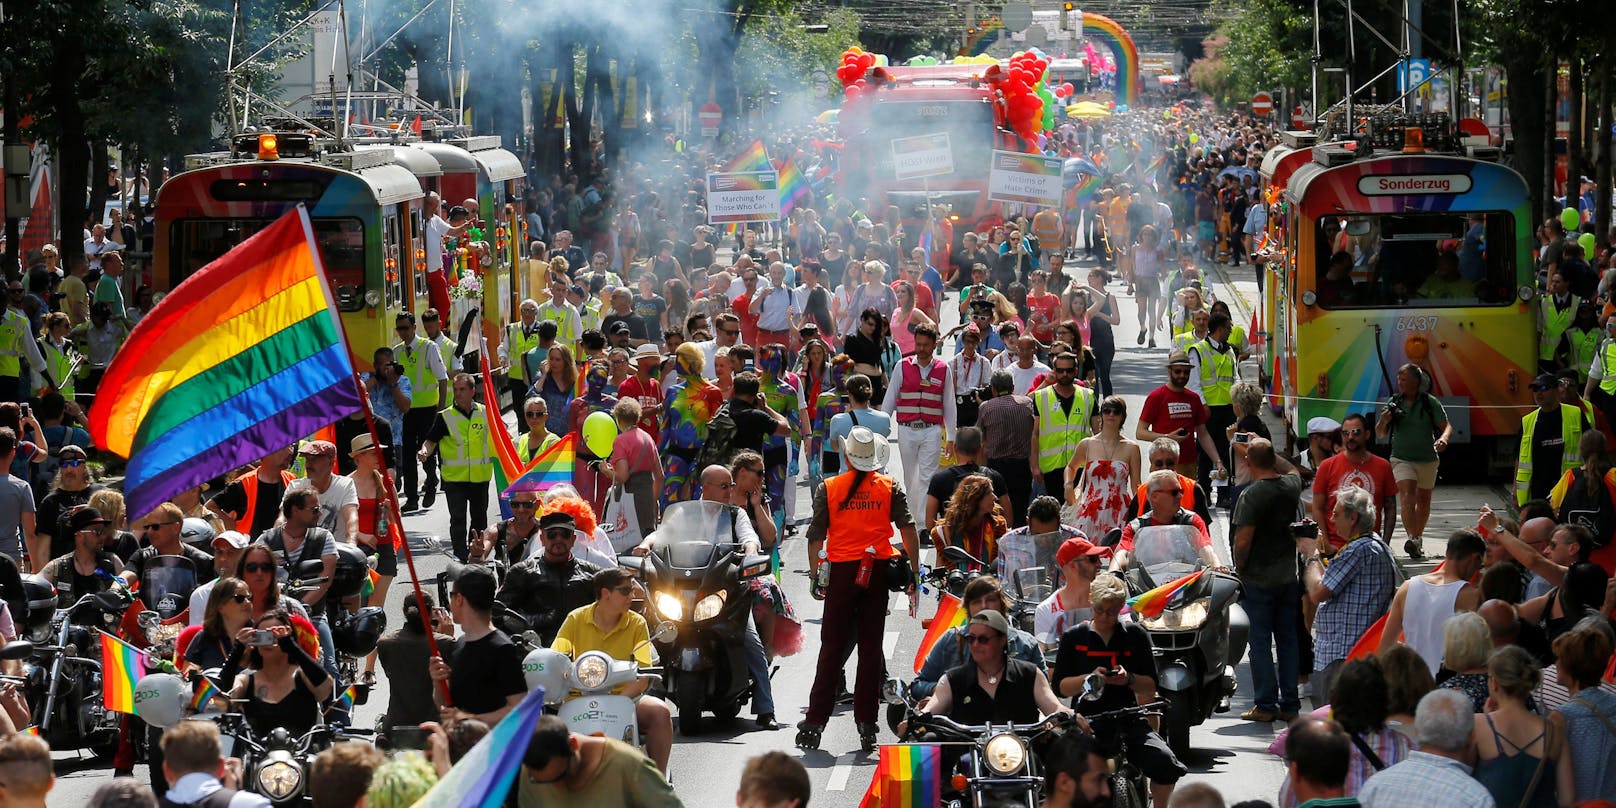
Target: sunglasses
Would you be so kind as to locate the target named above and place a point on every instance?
(536, 414)
(560, 533)
(241, 598)
(1352, 431)
(623, 590)
(523, 503)
(730, 331)
(156, 525)
(980, 639)
(1161, 464)
(257, 566)
(72, 464)
(99, 530)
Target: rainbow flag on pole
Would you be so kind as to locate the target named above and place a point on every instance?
(548, 470)
(755, 158)
(794, 188)
(508, 464)
(243, 358)
(950, 614)
(122, 665)
(483, 777)
(206, 691)
(1154, 602)
(906, 776)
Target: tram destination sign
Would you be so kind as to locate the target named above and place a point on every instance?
(747, 196)
(1413, 184)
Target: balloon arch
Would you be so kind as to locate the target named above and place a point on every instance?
(1121, 44)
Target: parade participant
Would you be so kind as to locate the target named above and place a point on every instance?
(520, 337)
(689, 404)
(227, 546)
(1147, 257)
(225, 612)
(1355, 466)
(1418, 427)
(1548, 434)
(777, 391)
(1570, 393)
(25, 768)
(429, 384)
(251, 504)
(459, 434)
(592, 481)
(556, 386)
(1264, 553)
(646, 388)
(284, 686)
(391, 395)
(1352, 593)
(610, 626)
(1077, 775)
(1195, 331)
(1064, 413)
(1445, 722)
(636, 468)
(567, 768)
(921, 400)
(484, 668)
(1164, 457)
(547, 587)
(372, 516)
(1556, 310)
(973, 521)
(568, 322)
(258, 565)
(774, 308)
(405, 653)
(88, 568)
(509, 540)
(1103, 473)
(1008, 423)
(432, 326)
(1023, 362)
(819, 393)
(195, 766)
(1213, 370)
(1423, 603)
(299, 541)
(1317, 751)
(588, 308)
(71, 488)
(992, 686)
(970, 371)
(854, 515)
(1080, 562)
(984, 592)
(1121, 654)
(1174, 411)
(339, 499)
(1164, 492)
(967, 455)
(63, 364)
(161, 530)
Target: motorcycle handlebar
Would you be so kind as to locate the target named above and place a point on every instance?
(949, 725)
(1153, 708)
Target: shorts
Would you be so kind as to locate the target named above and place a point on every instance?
(386, 558)
(1423, 474)
(1206, 231)
(1146, 287)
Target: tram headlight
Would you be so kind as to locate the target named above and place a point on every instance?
(1004, 753)
(373, 297)
(1526, 293)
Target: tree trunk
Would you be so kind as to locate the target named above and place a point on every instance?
(1602, 146)
(1575, 145)
(70, 152)
(577, 122)
(1521, 71)
(1551, 106)
(99, 157)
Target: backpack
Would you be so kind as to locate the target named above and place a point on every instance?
(719, 448)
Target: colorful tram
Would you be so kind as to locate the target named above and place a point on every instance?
(1337, 340)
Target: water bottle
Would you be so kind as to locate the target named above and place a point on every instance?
(866, 566)
(822, 580)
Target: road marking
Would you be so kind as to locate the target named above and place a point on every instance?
(889, 644)
(841, 772)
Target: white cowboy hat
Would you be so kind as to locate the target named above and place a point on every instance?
(865, 450)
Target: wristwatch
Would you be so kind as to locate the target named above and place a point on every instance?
(1312, 558)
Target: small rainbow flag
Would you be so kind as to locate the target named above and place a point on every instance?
(122, 665)
(755, 158)
(508, 465)
(550, 469)
(1155, 165)
(31, 730)
(1082, 190)
(346, 698)
(484, 776)
(206, 691)
(244, 357)
(1154, 602)
(794, 188)
(950, 614)
(372, 577)
(906, 776)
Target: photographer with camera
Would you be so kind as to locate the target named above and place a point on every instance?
(390, 391)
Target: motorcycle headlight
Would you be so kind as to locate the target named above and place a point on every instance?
(669, 605)
(707, 608)
(1187, 617)
(591, 670)
(1005, 753)
(279, 780)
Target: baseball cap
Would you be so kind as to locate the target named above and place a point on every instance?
(318, 448)
(1178, 358)
(233, 538)
(1075, 547)
(992, 618)
(1323, 425)
(72, 450)
(1545, 381)
(620, 327)
(557, 519)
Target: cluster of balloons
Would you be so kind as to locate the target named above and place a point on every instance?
(855, 63)
(1029, 104)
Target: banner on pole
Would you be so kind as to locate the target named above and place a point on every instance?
(746, 196)
(1029, 179)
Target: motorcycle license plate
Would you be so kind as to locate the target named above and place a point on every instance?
(607, 716)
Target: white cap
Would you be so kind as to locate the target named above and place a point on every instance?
(1322, 425)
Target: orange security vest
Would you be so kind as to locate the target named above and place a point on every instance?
(249, 486)
(864, 521)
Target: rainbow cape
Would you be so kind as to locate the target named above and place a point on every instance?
(548, 470)
(794, 188)
(950, 614)
(483, 777)
(244, 357)
(906, 776)
(1155, 601)
(122, 665)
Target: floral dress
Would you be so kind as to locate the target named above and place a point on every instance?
(1105, 497)
(688, 407)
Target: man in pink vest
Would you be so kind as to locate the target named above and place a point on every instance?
(921, 402)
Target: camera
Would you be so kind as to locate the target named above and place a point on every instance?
(1305, 529)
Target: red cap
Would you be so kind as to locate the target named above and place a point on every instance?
(1075, 547)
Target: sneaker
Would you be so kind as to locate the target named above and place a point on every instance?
(1414, 549)
(1259, 715)
(808, 735)
(765, 721)
(869, 737)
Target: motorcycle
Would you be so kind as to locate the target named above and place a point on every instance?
(1129, 786)
(999, 769)
(277, 766)
(165, 591)
(1029, 586)
(63, 679)
(1201, 635)
(354, 633)
(698, 581)
(581, 691)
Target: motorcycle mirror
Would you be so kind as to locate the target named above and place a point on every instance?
(1093, 687)
(17, 649)
(111, 600)
(755, 566)
(632, 563)
(892, 691)
(959, 556)
(665, 632)
(148, 618)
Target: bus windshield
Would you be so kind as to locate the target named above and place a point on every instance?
(1416, 260)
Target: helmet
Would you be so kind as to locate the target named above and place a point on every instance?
(197, 533)
(547, 668)
(161, 699)
(355, 635)
(39, 606)
(353, 569)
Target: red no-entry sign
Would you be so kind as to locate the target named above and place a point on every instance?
(1262, 104)
(710, 116)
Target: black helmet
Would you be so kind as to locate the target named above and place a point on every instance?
(352, 571)
(39, 606)
(355, 635)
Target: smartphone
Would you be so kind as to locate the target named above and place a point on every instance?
(408, 737)
(261, 638)
(1242, 437)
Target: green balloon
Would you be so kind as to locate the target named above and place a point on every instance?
(599, 433)
(1571, 219)
(1588, 242)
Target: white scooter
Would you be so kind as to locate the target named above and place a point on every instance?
(580, 690)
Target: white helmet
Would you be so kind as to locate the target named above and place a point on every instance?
(547, 668)
(161, 699)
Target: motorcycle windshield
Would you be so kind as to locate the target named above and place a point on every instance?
(1166, 552)
(692, 533)
(1033, 584)
(167, 584)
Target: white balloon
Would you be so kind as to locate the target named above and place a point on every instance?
(161, 699)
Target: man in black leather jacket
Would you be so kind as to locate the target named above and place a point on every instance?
(544, 589)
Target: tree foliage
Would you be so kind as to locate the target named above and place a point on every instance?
(1261, 45)
(778, 56)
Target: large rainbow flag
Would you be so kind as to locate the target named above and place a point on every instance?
(483, 777)
(243, 358)
(1155, 601)
(794, 189)
(906, 776)
(551, 468)
(950, 614)
(755, 158)
(1082, 190)
(122, 665)
(508, 464)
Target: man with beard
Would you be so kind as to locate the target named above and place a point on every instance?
(1354, 465)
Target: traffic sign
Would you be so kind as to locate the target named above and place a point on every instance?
(1036, 36)
(1016, 16)
(1262, 104)
(710, 115)
(1298, 120)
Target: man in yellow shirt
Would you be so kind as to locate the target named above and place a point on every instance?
(610, 626)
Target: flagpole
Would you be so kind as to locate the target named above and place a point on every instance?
(397, 516)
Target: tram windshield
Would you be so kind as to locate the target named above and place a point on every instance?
(1416, 260)
(193, 243)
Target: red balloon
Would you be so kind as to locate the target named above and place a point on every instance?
(861, 84)
(1068, 88)
(866, 60)
(848, 73)
(853, 91)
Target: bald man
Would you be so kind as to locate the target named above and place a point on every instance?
(1506, 627)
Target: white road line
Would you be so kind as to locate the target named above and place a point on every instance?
(889, 645)
(840, 773)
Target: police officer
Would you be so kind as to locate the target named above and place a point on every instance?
(429, 383)
(459, 434)
(519, 339)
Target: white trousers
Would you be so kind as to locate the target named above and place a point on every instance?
(921, 448)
